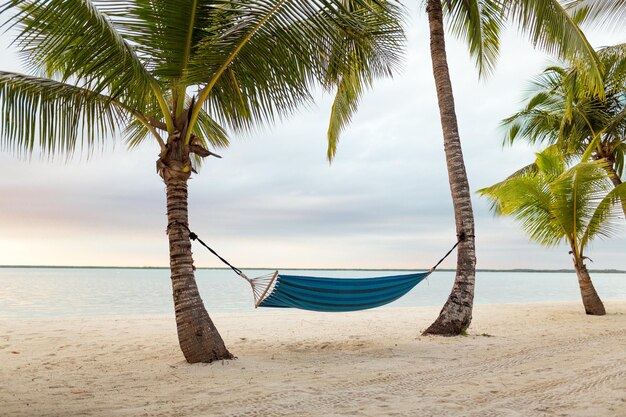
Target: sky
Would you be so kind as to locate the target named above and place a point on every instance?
(273, 200)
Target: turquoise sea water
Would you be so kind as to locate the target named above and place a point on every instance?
(63, 292)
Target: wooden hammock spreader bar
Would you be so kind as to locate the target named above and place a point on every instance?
(261, 298)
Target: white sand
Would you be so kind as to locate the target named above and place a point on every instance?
(539, 360)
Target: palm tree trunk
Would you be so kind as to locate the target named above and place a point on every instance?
(591, 300)
(198, 338)
(456, 314)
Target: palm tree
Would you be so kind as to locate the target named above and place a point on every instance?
(555, 204)
(564, 112)
(479, 22)
(179, 73)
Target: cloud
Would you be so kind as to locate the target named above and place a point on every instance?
(274, 200)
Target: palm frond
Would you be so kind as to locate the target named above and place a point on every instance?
(345, 104)
(266, 64)
(527, 198)
(603, 221)
(540, 119)
(564, 111)
(535, 125)
(258, 65)
(265, 81)
(206, 130)
(75, 41)
(250, 61)
(550, 163)
(553, 203)
(56, 115)
(355, 60)
(493, 190)
(577, 192)
(619, 154)
(135, 133)
(167, 34)
(209, 131)
(552, 28)
(610, 14)
(479, 23)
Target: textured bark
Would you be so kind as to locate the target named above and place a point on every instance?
(456, 313)
(591, 300)
(199, 339)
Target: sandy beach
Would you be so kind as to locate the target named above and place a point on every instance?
(518, 360)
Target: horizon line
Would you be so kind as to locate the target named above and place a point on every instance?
(532, 270)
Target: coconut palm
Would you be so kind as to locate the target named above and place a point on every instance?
(479, 23)
(179, 73)
(563, 111)
(555, 204)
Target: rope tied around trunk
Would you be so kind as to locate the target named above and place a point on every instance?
(194, 236)
(461, 237)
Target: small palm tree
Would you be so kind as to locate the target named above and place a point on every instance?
(563, 111)
(555, 204)
(178, 73)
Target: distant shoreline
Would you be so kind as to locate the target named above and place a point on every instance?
(514, 270)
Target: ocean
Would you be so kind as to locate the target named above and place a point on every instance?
(83, 292)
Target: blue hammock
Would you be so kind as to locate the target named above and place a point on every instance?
(327, 294)
(334, 294)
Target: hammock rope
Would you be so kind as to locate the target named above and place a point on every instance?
(326, 294)
(194, 236)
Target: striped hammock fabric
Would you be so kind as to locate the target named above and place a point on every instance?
(326, 294)
(332, 294)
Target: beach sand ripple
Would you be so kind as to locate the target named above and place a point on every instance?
(518, 360)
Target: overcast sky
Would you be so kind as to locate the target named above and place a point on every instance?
(274, 201)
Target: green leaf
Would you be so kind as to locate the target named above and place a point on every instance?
(609, 14)
(266, 64)
(246, 62)
(75, 41)
(604, 220)
(564, 110)
(551, 28)
(346, 101)
(553, 204)
(55, 115)
(479, 23)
